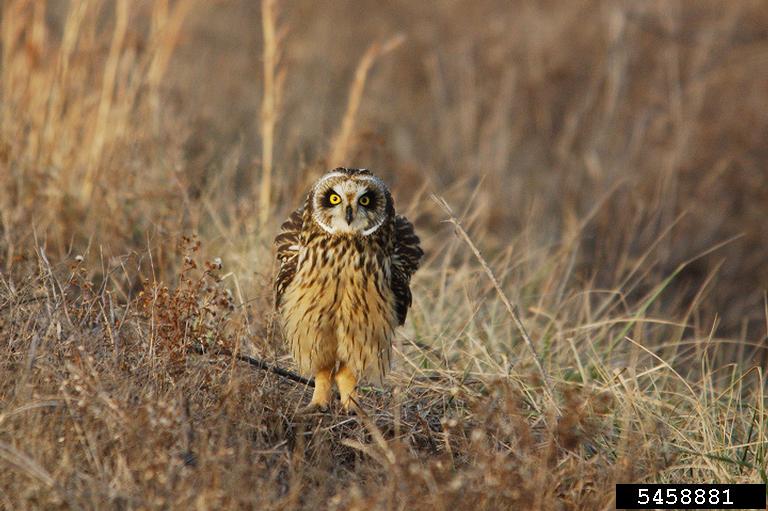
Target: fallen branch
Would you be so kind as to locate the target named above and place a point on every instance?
(258, 363)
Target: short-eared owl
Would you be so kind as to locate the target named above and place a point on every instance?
(345, 265)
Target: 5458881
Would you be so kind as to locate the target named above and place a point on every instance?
(690, 496)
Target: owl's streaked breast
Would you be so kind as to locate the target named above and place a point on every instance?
(340, 306)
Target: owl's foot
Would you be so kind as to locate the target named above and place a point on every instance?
(347, 382)
(321, 397)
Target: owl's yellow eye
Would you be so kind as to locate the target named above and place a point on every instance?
(365, 200)
(334, 199)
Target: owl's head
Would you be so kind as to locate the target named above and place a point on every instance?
(350, 202)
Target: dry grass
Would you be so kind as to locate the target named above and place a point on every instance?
(606, 159)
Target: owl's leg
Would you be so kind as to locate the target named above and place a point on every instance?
(347, 381)
(322, 394)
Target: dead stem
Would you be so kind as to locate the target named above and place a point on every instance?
(512, 309)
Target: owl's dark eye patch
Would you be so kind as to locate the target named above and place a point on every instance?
(330, 199)
(367, 200)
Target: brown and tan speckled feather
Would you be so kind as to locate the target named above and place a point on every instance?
(287, 244)
(405, 261)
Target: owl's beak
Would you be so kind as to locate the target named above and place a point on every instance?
(349, 215)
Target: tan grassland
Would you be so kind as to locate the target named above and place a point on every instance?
(589, 180)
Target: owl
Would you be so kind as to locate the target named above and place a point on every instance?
(343, 284)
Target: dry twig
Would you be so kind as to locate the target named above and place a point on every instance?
(341, 142)
(259, 364)
(511, 308)
(270, 102)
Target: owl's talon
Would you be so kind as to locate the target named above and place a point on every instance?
(350, 408)
(322, 394)
(314, 409)
(347, 382)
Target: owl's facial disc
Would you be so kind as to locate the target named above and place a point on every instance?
(349, 206)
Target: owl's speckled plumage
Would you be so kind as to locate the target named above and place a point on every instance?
(343, 284)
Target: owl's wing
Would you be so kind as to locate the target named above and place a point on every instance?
(405, 261)
(287, 245)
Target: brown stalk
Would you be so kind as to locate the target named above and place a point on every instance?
(168, 39)
(512, 309)
(342, 141)
(107, 96)
(270, 102)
